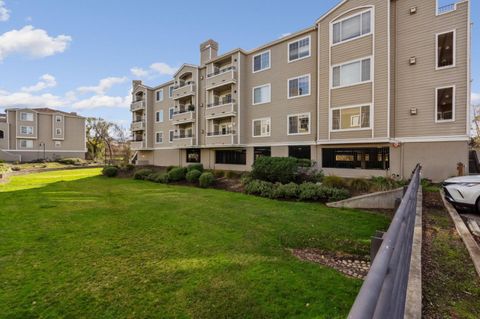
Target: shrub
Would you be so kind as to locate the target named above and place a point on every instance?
(260, 188)
(275, 169)
(381, 183)
(287, 191)
(360, 185)
(169, 168)
(309, 174)
(206, 179)
(195, 167)
(303, 162)
(16, 168)
(334, 181)
(193, 176)
(233, 174)
(219, 173)
(161, 178)
(337, 194)
(71, 161)
(110, 171)
(176, 174)
(142, 173)
(309, 191)
(129, 167)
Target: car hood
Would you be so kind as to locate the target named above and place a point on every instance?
(463, 179)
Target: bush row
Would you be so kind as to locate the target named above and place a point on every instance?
(305, 191)
(193, 174)
(285, 170)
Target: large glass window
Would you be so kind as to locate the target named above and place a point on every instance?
(299, 124)
(261, 127)
(26, 144)
(351, 118)
(261, 151)
(24, 116)
(193, 155)
(159, 137)
(171, 134)
(233, 157)
(445, 104)
(301, 152)
(261, 94)
(352, 27)
(159, 116)
(26, 130)
(351, 73)
(261, 61)
(446, 49)
(364, 158)
(171, 111)
(299, 86)
(170, 91)
(299, 49)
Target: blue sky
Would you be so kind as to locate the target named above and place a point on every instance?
(79, 55)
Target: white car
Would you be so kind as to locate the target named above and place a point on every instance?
(463, 191)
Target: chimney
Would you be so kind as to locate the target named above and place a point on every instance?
(208, 51)
(136, 83)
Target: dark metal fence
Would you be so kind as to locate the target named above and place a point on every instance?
(383, 293)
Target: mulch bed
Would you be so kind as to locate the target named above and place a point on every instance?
(351, 266)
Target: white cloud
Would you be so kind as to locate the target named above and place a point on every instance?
(103, 86)
(35, 43)
(139, 72)
(475, 98)
(4, 12)
(25, 99)
(46, 81)
(98, 101)
(158, 68)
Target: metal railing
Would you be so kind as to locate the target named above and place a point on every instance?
(223, 101)
(447, 8)
(184, 109)
(220, 71)
(384, 291)
(182, 135)
(220, 133)
(183, 84)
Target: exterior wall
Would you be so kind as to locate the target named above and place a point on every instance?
(38, 154)
(4, 141)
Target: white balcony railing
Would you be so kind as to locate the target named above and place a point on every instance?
(137, 105)
(138, 126)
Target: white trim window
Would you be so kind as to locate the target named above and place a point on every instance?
(58, 131)
(352, 27)
(171, 111)
(261, 127)
(352, 73)
(58, 118)
(445, 104)
(261, 62)
(26, 130)
(351, 118)
(170, 91)
(159, 116)
(261, 94)
(26, 144)
(446, 50)
(299, 49)
(159, 95)
(26, 117)
(299, 86)
(298, 124)
(159, 137)
(171, 134)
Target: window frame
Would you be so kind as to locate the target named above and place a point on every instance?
(370, 105)
(26, 130)
(57, 117)
(298, 115)
(309, 37)
(454, 90)
(269, 127)
(169, 134)
(309, 76)
(57, 130)
(171, 114)
(191, 150)
(372, 26)
(437, 68)
(26, 146)
(372, 72)
(269, 61)
(27, 120)
(269, 85)
(156, 135)
(157, 93)
(160, 116)
(171, 88)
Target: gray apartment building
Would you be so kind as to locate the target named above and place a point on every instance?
(370, 89)
(41, 133)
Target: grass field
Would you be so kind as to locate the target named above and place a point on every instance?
(75, 244)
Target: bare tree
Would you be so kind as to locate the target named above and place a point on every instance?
(476, 126)
(100, 136)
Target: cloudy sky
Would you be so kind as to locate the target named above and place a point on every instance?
(82, 55)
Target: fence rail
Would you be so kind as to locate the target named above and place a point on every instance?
(384, 291)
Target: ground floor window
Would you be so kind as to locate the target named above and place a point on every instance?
(193, 155)
(235, 157)
(364, 158)
(261, 151)
(302, 152)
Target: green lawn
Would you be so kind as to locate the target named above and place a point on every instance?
(77, 245)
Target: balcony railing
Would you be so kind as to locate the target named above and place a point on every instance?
(182, 84)
(220, 133)
(184, 109)
(138, 125)
(137, 105)
(220, 71)
(447, 8)
(137, 145)
(182, 135)
(223, 101)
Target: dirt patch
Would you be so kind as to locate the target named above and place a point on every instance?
(229, 184)
(432, 200)
(351, 266)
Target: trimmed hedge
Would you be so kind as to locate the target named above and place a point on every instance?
(193, 176)
(195, 167)
(142, 173)
(275, 169)
(110, 171)
(176, 174)
(335, 181)
(206, 180)
(287, 191)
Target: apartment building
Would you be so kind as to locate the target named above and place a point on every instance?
(370, 89)
(41, 133)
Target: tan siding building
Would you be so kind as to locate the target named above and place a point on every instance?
(372, 88)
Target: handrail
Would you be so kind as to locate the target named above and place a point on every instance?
(219, 133)
(221, 102)
(185, 109)
(220, 71)
(383, 293)
(181, 85)
(447, 8)
(184, 135)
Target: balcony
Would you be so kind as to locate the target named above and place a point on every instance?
(221, 77)
(138, 126)
(447, 8)
(184, 114)
(183, 139)
(223, 108)
(137, 145)
(137, 106)
(183, 90)
(221, 138)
